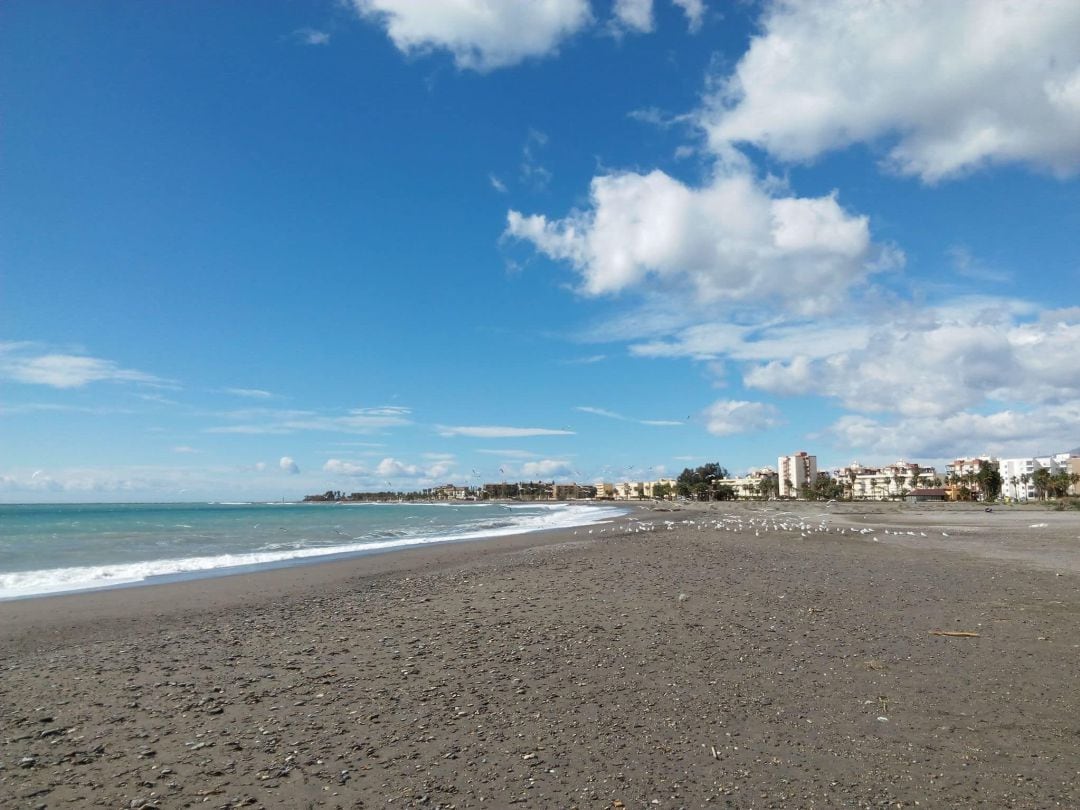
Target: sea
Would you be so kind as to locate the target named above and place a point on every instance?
(60, 548)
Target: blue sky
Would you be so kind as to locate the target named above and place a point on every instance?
(260, 250)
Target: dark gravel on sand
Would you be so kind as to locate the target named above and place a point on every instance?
(688, 665)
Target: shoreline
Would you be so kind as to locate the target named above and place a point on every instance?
(314, 555)
(67, 614)
(685, 658)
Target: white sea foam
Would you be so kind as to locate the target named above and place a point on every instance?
(19, 584)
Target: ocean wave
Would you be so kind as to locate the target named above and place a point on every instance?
(14, 585)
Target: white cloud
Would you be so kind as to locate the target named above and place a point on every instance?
(312, 36)
(585, 361)
(546, 468)
(637, 15)
(20, 363)
(249, 393)
(634, 14)
(729, 240)
(694, 11)
(533, 172)
(729, 417)
(623, 418)
(289, 466)
(184, 449)
(480, 34)
(966, 264)
(260, 421)
(500, 432)
(935, 362)
(497, 184)
(336, 466)
(1005, 433)
(518, 454)
(952, 86)
(393, 468)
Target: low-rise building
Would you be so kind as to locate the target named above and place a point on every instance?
(863, 483)
(758, 484)
(927, 494)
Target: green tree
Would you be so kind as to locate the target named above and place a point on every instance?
(823, 488)
(1041, 480)
(700, 482)
(989, 481)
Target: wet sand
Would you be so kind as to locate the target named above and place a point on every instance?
(655, 662)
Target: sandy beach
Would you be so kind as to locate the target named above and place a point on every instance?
(733, 655)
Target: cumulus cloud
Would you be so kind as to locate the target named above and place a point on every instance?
(634, 14)
(480, 34)
(732, 416)
(393, 468)
(336, 466)
(22, 362)
(500, 432)
(729, 240)
(546, 468)
(938, 361)
(289, 466)
(949, 86)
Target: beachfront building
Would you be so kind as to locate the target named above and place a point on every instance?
(757, 484)
(1018, 475)
(794, 473)
(963, 477)
(895, 480)
(1017, 479)
(572, 492)
(605, 491)
(661, 488)
(452, 492)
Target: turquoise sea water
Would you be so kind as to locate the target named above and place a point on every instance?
(53, 548)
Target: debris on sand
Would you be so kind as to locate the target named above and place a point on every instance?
(954, 633)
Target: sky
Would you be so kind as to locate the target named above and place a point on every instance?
(259, 250)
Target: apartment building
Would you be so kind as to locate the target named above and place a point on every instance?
(794, 472)
(884, 483)
(1018, 474)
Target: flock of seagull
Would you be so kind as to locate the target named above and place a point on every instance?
(788, 522)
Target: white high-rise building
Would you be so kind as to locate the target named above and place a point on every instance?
(1018, 474)
(793, 472)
